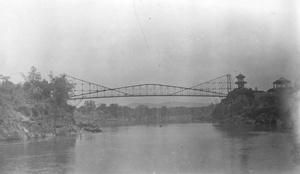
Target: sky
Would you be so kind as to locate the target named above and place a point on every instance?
(126, 42)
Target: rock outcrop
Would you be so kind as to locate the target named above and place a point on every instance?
(39, 120)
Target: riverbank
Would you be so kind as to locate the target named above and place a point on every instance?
(244, 106)
(35, 108)
(39, 120)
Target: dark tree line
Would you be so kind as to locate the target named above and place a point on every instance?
(141, 112)
(35, 89)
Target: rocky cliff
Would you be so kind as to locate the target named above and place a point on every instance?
(38, 120)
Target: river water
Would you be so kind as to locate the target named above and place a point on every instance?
(173, 148)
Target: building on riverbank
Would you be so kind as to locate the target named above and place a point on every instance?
(240, 81)
(281, 83)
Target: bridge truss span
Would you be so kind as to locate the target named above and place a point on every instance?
(218, 87)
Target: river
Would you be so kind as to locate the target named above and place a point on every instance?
(173, 148)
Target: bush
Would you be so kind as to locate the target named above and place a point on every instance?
(24, 110)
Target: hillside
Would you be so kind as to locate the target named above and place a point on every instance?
(244, 106)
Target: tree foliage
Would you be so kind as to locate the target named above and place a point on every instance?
(113, 109)
(38, 89)
(60, 89)
(143, 113)
(90, 105)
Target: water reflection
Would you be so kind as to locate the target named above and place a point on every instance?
(186, 148)
(258, 148)
(37, 156)
(178, 148)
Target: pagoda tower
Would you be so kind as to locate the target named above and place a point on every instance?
(240, 81)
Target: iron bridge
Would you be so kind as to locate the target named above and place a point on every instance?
(218, 87)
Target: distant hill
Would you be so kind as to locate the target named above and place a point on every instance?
(169, 104)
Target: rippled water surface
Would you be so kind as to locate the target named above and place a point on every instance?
(177, 148)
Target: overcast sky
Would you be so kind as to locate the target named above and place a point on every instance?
(124, 42)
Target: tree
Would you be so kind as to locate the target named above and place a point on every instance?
(4, 78)
(32, 85)
(38, 89)
(102, 106)
(61, 88)
(34, 76)
(51, 76)
(113, 109)
(90, 105)
(45, 89)
(10, 94)
(6, 86)
(83, 109)
(163, 112)
(6, 90)
(142, 112)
